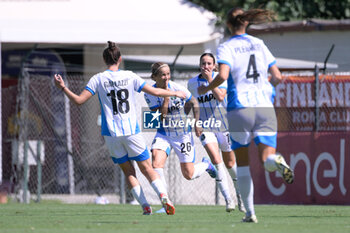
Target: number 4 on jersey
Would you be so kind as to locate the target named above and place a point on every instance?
(251, 71)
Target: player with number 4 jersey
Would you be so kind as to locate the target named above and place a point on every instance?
(244, 61)
(249, 60)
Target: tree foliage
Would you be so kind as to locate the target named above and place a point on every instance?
(286, 10)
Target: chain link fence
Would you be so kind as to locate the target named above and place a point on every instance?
(53, 147)
(73, 157)
(319, 103)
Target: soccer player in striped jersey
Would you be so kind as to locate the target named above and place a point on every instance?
(213, 105)
(116, 89)
(170, 136)
(244, 61)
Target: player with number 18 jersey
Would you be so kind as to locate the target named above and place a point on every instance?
(116, 90)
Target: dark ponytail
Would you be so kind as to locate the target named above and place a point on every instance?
(236, 17)
(111, 54)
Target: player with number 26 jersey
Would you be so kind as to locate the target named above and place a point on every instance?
(116, 90)
(249, 60)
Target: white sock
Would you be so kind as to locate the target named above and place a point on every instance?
(199, 169)
(233, 173)
(159, 187)
(270, 163)
(245, 184)
(160, 172)
(138, 194)
(221, 180)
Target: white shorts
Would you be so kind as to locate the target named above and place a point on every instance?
(248, 123)
(221, 138)
(183, 146)
(126, 148)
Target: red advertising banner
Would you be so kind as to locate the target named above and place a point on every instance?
(296, 102)
(321, 163)
(320, 159)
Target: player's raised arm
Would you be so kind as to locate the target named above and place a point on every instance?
(77, 99)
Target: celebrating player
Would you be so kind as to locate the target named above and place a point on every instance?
(116, 89)
(178, 137)
(244, 61)
(213, 106)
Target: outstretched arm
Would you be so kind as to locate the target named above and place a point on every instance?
(162, 92)
(77, 99)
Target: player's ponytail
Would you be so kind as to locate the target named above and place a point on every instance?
(111, 54)
(237, 17)
(111, 45)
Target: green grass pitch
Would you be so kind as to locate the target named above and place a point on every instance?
(90, 218)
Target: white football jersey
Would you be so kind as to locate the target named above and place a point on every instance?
(116, 90)
(210, 107)
(249, 60)
(176, 112)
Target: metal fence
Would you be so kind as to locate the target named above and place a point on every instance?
(73, 157)
(318, 103)
(42, 125)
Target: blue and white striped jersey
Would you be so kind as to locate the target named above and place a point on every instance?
(249, 60)
(116, 90)
(176, 113)
(210, 107)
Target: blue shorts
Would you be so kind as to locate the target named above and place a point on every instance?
(127, 148)
(246, 124)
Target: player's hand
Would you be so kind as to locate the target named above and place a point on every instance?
(202, 90)
(206, 73)
(180, 94)
(59, 81)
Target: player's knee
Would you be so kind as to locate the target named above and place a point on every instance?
(187, 175)
(157, 164)
(230, 164)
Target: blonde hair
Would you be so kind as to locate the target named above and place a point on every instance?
(156, 67)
